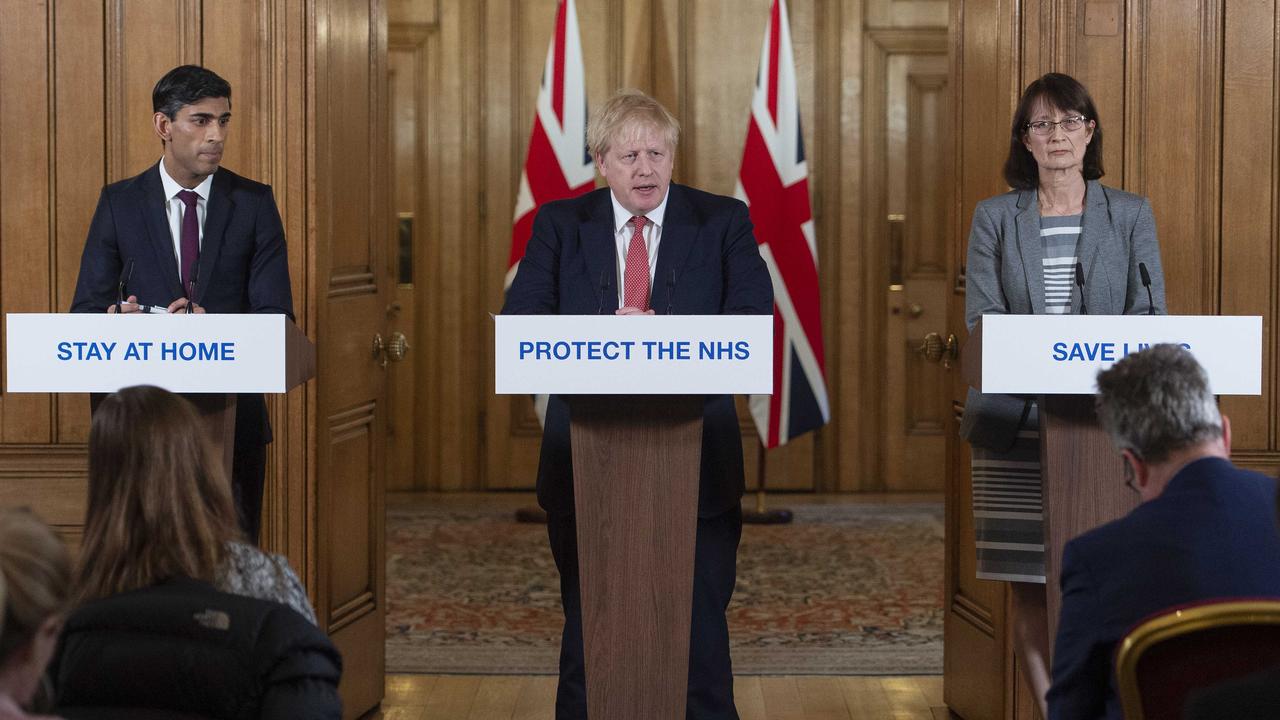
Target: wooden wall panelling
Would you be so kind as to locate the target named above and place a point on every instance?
(883, 14)
(1174, 74)
(79, 133)
(26, 179)
(144, 39)
(850, 382)
(1249, 207)
(27, 216)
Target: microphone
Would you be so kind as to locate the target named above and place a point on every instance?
(125, 276)
(604, 287)
(671, 289)
(1146, 282)
(1080, 284)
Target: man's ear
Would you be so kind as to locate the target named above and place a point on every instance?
(161, 122)
(1226, 434)
(1141, 473)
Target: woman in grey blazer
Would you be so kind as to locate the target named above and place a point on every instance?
(1059, 242)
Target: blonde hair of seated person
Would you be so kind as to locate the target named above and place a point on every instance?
(35, 588)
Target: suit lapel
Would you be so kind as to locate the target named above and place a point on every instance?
(600, 253)
(220, 208)
(1031, 248)
(151, 202)
(679, 230)
(1095, 234)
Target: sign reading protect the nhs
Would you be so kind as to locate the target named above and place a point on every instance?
(1062, 354)
(633, 355)
(182, 353)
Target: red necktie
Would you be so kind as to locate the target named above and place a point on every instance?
(190, 239)
(635, 279)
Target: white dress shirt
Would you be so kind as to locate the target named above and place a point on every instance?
(173, 209)
(622, 232)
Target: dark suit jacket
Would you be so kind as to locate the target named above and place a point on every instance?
(1210, 534)
(243, 264)
(708, 263)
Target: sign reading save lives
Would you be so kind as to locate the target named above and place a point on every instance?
(633, 355)
(1061, 354)
(181, 353)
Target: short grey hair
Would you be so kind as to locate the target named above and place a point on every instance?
(625, 110)
(1157, 401)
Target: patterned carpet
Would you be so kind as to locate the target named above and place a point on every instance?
(846, 589)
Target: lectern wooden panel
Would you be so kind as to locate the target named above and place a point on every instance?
(636, 465)
(1083, 478)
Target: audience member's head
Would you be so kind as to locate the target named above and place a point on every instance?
(160, 504)
(35, 584)
(1157, 406)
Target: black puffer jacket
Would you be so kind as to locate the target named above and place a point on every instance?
(182, 649)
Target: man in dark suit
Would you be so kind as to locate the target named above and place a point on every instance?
(646, 246)
(189, 236)
(1205, 529)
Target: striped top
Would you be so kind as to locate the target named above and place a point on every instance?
(1060, 235)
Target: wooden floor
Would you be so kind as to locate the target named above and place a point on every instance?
(510, 697)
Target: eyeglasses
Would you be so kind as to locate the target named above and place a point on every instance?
(1045, 127)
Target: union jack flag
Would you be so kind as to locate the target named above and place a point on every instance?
(774, 182)
(558, 164)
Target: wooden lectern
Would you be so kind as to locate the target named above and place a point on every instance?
(1082, 472)
(218, 410)
(636, 463)
(207, 358)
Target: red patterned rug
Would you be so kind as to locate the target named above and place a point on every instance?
(846, 589)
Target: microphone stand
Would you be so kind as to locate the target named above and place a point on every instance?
(761, 515)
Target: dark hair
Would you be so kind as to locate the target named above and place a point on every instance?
(184, 85)
(1061, 92)
(160, 503)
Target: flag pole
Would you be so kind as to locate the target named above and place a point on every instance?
(762, 515)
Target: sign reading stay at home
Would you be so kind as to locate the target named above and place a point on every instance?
(1062, 354)
(633, 355)
(181, 353)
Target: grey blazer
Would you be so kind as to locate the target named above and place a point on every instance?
(1004, 274)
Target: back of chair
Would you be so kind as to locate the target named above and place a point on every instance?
(1166, 657)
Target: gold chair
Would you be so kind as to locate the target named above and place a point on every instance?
(1164, 659)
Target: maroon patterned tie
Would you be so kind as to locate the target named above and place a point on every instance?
(190, 240)
(635, 279)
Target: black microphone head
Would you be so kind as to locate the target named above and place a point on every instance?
(1146, 276)
(1079, 275)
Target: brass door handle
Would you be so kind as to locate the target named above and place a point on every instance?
(934, 349)
(397, 347)
(915, 310)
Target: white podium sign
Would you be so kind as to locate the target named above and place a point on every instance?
(1062, 354)
(181, 353)
(633, 355)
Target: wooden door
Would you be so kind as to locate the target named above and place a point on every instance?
(352, 213)
(908, 110)
(977, 654)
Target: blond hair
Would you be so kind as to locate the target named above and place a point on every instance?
(159, 501)
(35, 577)
(627, 110)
